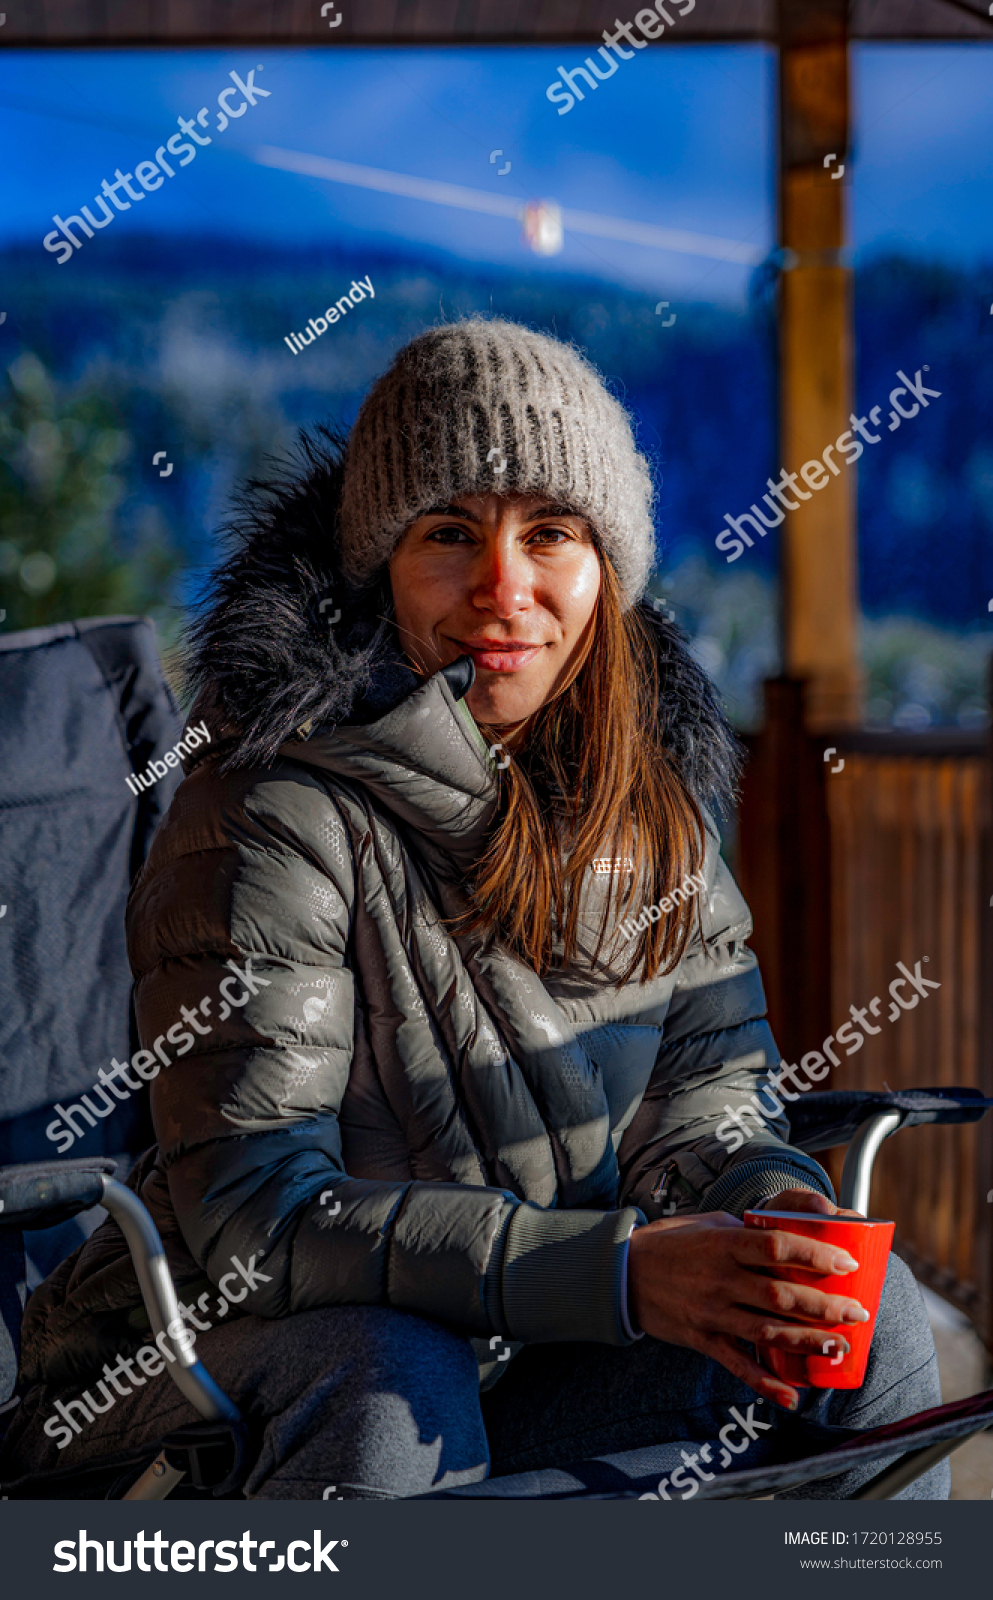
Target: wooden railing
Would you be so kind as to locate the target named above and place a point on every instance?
(885, 859)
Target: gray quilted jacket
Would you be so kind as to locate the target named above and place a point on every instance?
(373, 1110)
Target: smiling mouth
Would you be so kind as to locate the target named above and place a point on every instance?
(499, 656)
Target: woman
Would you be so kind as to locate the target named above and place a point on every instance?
(439, 1119)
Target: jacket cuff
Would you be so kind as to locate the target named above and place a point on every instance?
(740, 1186)
(564, 1275)
(627, 1321)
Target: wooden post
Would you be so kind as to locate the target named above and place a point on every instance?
(784, 843)
(783, 867)
(984, 1208)
(818, 544)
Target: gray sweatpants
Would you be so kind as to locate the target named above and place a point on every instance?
(371, 1403)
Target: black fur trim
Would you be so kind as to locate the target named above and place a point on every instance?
(705, 746)
(261, 658)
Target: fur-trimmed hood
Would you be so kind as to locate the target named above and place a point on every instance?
(282, 641)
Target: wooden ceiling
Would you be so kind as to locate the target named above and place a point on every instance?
(131, 22)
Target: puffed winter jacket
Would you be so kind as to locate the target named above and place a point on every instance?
(377, 1111)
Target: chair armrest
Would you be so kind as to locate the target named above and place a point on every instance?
(40, 1194)
(818, 1121)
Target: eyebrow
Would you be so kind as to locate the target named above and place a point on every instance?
(554, 511)
(451, 511)
(535, 516)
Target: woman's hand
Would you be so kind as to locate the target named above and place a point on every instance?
(710, 1282)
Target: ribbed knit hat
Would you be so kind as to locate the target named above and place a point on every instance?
(487, 405)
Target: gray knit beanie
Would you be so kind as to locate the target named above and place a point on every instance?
(487, 405)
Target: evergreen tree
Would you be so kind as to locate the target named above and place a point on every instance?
(63, 553)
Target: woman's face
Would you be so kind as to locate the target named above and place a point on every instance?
(511, 580)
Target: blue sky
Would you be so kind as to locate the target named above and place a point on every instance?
(676, 139)
(923, 169)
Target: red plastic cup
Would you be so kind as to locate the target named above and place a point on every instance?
(868, 1241)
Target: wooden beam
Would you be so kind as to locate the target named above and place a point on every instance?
(818, 540)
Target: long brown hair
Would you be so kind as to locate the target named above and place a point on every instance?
(594, 779)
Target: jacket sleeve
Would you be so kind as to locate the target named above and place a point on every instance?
(243, 931)
(710, 1135)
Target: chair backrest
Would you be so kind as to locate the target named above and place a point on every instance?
(83, 705)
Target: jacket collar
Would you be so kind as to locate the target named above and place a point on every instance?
(425, 761)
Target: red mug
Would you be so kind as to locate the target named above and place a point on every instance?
(868, 1241)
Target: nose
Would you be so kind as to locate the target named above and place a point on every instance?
(503, 582)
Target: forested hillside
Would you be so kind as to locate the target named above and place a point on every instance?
(150, 346)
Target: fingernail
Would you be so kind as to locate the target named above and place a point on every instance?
(843, 1262)
(855, 1314)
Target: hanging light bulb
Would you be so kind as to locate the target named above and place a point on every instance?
(543, 227)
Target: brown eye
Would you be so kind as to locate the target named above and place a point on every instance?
(448, 534)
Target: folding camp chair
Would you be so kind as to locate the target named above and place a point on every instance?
(83, 705)
(214, 1456)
